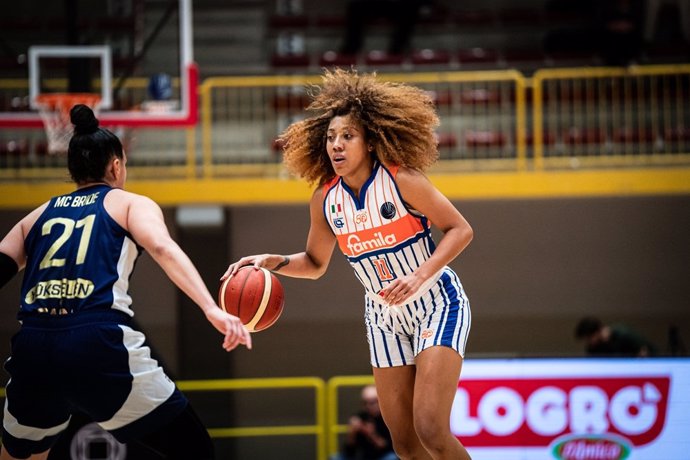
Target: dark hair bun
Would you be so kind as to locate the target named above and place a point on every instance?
(83, 119)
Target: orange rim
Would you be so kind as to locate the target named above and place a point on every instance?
(65, 101)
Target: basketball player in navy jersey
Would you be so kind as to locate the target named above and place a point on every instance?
(76, 349)
(366, 147)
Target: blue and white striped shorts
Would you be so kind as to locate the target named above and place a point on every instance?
(439, 317)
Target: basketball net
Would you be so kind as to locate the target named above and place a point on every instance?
(54, 109)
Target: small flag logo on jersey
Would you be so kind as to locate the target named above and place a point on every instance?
(336, 211)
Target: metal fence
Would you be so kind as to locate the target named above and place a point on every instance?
(611, 116)
(325, 411)
(490, 120)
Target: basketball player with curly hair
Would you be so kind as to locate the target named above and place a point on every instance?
(366, 147)
(76, 349)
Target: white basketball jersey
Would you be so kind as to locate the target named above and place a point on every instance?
(381, 237)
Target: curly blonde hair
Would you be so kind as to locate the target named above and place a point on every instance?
(398, 120)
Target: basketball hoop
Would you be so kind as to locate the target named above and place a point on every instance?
(54, 109)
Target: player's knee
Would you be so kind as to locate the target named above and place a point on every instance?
(431, 431)
(405, 448)
(405, 442)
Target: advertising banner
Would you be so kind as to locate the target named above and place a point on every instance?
(574, 409)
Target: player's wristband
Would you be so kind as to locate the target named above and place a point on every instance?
(8, 268)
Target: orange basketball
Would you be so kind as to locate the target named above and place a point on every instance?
(254, 295)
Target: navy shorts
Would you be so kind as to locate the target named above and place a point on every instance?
(91, 362)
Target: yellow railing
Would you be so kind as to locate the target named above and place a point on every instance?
(325, 429)
(483, 118)
(631, 116)
(334, 427)
(636, 116)
(317, 429)
(589, 131)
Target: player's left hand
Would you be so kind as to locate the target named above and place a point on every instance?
(400, 289)
(267, 261)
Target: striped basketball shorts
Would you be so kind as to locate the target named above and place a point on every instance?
(439, 317)
(92, 362)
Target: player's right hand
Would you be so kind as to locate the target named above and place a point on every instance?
(231, 327)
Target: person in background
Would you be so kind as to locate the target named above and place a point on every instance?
(403, 15)
(367, 437)
(652, 20)
(611, 340)
(76, 349)
(620, 25)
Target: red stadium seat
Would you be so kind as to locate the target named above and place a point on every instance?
(633, 135)
(576, 135)
(14, 147)
(284, 21)
(290, 102)
(477, 56)
(484, 138)
(522, 56)
(441, 97)
(290, 60)
(479, 96)
(277, 146)
(679, 133)
(548, 138)
(511, 17)
(333, 58)
(380, 57)
(330, 21)
(475, 18)
(428, 56)
(446, 140)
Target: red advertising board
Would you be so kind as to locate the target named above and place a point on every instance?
(574, 409)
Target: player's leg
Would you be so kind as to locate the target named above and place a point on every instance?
(183, 438)
(392, 360)
(395, 386)
(26, 441)
(35, 414)
(440, 347)
(4, 455)
(23, 435)
(436, 382)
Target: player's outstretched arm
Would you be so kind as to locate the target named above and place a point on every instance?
(146, 224)
(12, 254)
(12, 257)
(311, 263)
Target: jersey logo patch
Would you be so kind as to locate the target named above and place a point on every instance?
(388, 210)
(361, 217)
(337, 215)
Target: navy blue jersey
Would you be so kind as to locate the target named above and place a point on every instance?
(78, 257)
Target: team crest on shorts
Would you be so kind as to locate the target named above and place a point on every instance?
(427, 333)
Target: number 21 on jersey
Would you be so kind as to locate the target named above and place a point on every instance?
(68, 227)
